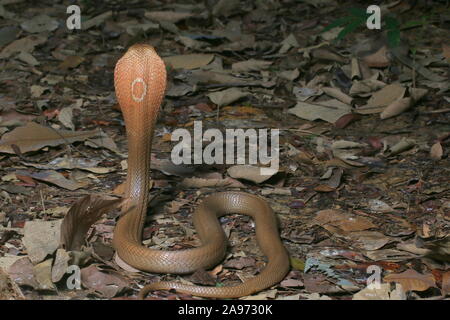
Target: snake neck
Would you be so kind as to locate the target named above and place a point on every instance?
(138, 180)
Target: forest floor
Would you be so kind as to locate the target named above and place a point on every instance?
(362, 189)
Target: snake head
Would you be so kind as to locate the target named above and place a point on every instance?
(140, 82)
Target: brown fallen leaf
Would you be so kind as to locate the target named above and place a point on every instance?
(71, 62)
(384, 292)
(81, 216)
(342, 220)
(247, 172)
(240, 263)
(41, 238)
(411, 280)
(387, 95)
(436, 151)
(250, 65)
(227, 96)
(33, 137)
(202, 277)
(21, 272)
(396, 108)
(446, 283)
(167, 16)
(43, 273)
(52, 177)
(25, 44)
(378, 59)
(188, 61)
(9, 290)
(107, 284)
(201, 183)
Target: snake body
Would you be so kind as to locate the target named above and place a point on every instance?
(140, 81)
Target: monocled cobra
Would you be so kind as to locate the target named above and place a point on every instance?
(140, 82)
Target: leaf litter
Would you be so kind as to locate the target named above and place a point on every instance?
(364, 142)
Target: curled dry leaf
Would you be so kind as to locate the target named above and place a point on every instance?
(403, 145)
(411, 280)
(396, 107)
(338, 94)
(81, 216)
(33, 137)
(365, 86)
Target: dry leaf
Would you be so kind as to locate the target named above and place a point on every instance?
(396, 108)
(21, 272)
(338, 94)
(53, 177)
(379, 59)
(329, 111)
(61, 264)
(250, 65)
(43, 273)
(71, 62)
(33, 137)
(446, 283)
(41, 238)
(80, 218)
(96, 21)
(40, 23)
(384, 292)
(251, 173)
(201, 183)
(188, 61)
(167, 16)
(342, 220)
(107, 284)
(436, 151)
(227, 96)
(387, 95)
(411, 280)
(26, 44)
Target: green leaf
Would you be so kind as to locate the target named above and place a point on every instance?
(358, 12)
(393, 38)
(392, 23)
(412, 24)
(349, 28)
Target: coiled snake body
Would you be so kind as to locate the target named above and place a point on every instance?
(140, 81)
